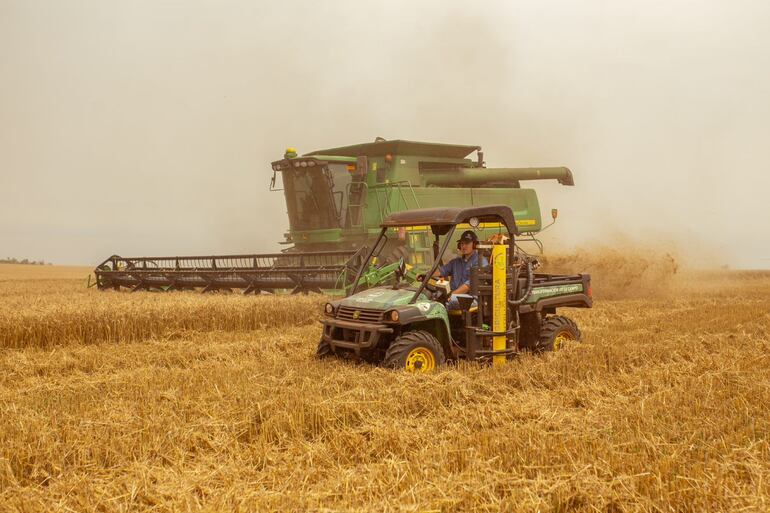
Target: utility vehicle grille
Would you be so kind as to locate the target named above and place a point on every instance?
(359, 314)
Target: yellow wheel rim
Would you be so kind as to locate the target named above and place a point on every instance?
(420, 359)
(561, 338)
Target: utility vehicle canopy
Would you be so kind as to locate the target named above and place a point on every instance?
(452, 216)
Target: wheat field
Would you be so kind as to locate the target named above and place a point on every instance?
(112, 401)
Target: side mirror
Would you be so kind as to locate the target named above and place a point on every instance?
(399, 273)
(401, 269)
(554, 213)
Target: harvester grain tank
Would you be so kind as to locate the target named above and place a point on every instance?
(336, 200)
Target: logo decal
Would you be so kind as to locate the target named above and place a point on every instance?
(556, 289)
(356, 314)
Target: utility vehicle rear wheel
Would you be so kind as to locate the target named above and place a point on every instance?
(555, 332)
(324, 350)
(415, 351)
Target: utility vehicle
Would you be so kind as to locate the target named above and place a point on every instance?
(406, 324)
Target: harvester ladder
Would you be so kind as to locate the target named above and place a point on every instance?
(357, 192)
(388, 187)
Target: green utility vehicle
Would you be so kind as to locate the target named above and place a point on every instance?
(406, 323)
(336, 199)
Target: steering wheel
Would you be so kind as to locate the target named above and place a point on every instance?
(437, 292)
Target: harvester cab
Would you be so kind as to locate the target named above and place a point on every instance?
(408, 324)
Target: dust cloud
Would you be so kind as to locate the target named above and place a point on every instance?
(144, 128)
(619, 272)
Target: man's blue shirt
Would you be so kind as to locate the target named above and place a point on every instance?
(460, 270)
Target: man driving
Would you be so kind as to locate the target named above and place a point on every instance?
(459, 268)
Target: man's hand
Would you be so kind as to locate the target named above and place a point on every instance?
(462, 289)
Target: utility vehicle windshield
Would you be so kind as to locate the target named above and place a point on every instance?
(390, 250)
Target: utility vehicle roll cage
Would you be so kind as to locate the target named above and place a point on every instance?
(443, 222)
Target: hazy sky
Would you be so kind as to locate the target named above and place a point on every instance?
(147, 127)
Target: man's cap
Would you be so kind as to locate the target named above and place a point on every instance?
(468, 236)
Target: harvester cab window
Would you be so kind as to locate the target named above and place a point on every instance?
(339, 180)
(315, 196)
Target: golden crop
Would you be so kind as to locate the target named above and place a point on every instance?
(175, 402)
(48, 312)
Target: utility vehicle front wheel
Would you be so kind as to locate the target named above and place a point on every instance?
(415, 351)
(555, 332)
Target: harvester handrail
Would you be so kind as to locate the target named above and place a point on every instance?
(200, 257)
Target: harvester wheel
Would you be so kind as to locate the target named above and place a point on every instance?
(415, 351)
(324, 350)
(398, 253)
(556, 331)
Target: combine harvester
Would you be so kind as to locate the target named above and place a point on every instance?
(336, 200)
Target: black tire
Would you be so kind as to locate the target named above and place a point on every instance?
(324, 350)
(529, 334)
(415, 351)
(396, 254)
(554, 331)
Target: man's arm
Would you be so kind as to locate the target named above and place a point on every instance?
(444, 270)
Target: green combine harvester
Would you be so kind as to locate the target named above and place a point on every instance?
(336, 200)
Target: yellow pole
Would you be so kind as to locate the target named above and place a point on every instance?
(499, 300)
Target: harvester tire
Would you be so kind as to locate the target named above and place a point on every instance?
(324, 350)
(415, 351)
(555, 331)
(398, 253)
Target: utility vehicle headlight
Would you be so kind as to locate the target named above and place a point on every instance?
(329, 309)
(392, 315)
